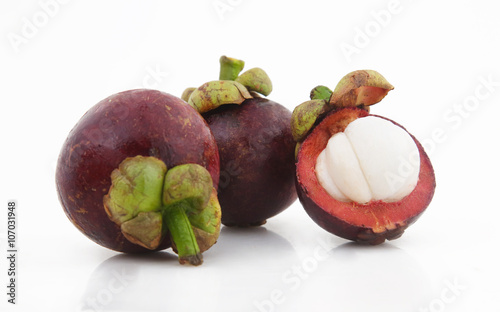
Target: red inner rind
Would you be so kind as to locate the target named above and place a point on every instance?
(378, 216)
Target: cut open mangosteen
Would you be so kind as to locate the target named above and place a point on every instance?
(362, 177)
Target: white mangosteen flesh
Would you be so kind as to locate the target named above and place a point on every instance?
(373, 159)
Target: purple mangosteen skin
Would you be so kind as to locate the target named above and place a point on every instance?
(256, 148)
(127, 124)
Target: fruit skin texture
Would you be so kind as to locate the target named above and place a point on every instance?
(372, 223)
(256, 150)
(127, 124)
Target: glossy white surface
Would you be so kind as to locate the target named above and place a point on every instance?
(372, 159)
(441, 57)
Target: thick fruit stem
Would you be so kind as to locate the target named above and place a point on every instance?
(145, 199)
(186, 195)
(182, 233)
(230, 68)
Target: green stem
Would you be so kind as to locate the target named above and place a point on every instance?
(182, 233)
(230, 68)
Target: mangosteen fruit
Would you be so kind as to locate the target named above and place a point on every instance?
(360, 176)
(255, 143)
(139, 173)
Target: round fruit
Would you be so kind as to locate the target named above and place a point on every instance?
(255, 144)
(359, 176)
(114, 166)
(256, 153)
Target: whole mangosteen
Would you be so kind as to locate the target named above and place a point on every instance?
(255, 143)
(138, 172)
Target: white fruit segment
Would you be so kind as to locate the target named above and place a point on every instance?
(326, 180)
(373, 159)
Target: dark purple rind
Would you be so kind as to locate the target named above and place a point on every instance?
(256, 150)
(127, 124)
(345, 230)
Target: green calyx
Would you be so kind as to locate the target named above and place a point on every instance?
(231, 88)
(305, 116)
(146, 200)
(137, 186)
(257, 80)
(145, 229)
(187, 93)
(213, 94)
(321, 93)
(360, 88)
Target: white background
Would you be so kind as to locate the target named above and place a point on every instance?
(58, 58)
